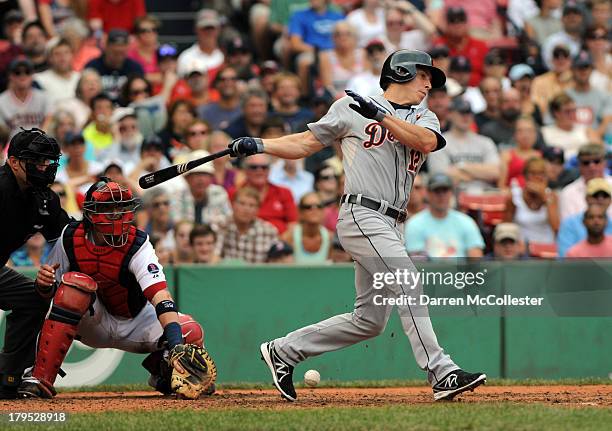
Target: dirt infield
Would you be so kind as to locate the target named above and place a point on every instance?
(571, 396)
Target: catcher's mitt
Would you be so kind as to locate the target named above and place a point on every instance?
(193, 372)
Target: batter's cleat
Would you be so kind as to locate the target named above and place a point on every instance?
(31, 387)
(456, 382)
(282, 372)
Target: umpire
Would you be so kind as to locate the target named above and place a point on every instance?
(28, 206)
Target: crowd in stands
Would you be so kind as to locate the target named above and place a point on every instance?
(526, 112)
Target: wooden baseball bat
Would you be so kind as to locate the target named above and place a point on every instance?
(158, 177)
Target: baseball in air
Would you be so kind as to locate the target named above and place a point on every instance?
(312, 378)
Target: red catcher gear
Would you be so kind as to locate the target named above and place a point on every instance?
(109, 210)
(73, 297)
(118, 288)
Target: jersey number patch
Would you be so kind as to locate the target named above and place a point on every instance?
(414, 158)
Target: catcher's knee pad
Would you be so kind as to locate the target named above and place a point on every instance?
(192, 330)
(72, 299)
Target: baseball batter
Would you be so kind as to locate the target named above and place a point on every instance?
(385, 140)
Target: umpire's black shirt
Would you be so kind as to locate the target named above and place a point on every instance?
(23, 213)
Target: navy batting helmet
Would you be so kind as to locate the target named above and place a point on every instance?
(401, 66)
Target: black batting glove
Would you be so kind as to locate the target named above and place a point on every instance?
(246, 146)
(366, 108)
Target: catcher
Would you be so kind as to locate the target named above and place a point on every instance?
(112, 293)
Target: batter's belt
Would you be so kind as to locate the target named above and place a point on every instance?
(382, 207)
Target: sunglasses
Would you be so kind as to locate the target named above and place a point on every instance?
(126, 128)
(311, 206)
(601, 195)
(146, 30)
(21, 72)
(256, 167)
(327, 177)
(342, 33)
(560, 54)
(161, 203)
(198, 132)
(61, 193)
(139, 91)
(589, 162)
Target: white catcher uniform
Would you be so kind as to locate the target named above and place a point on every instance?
(376, 166)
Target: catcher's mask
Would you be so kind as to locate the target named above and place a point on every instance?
(109, 210)
(39, 154)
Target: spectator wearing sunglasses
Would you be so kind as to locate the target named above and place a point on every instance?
(597, 42)
(156, 202)
(570, 35)
(222, 112)
(310, 240)
(144, 51)
(572, 230)
(591, 164)
(276, 202)
(557, 80)
(21, 105)
(128, 139)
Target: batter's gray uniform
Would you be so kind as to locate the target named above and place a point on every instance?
(379, 167)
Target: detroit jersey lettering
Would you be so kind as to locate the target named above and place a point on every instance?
(375, 163)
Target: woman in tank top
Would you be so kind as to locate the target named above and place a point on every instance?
(309, 238)
(513, 160)
(534, 207)
(337, 66)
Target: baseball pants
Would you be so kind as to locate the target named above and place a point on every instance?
(23, 323)
(376, 246)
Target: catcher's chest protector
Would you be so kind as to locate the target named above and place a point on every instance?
(118, 289)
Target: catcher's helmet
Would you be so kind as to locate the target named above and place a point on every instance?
(401, 66)
(109, 209)
(40, 153)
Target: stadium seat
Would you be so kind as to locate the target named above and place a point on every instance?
(490, 206)
(543, 250)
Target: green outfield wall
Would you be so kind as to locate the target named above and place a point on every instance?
(239, 307)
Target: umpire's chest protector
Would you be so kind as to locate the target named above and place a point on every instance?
(118, 289)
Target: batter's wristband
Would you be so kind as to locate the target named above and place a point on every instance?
(165, 306)
(380, 115)
(260, 145)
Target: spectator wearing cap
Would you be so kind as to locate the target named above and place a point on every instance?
(366, 82)
(243, 235)
(127, 139)
(407, 28)
(534, 207)
(572, 229)
(546, 23)
(368, 21)
(152, 159)
(460, 70)
(202, 201)
(501, 130)
(22, 105)
(460, 43)
(285, 97)
(78, 173)
(471, 160)
(198, 90)
(521, 76)
(513, 160)
(113, 65)
(597, 41)
(76, 32)
(145, 49)
(494, 67)
(98, 133)
(566, 133)
(203, 240)
(569, 36)
(507, 242)
(150, 109)
(34, 45)
(440, 57)
(158, 222)
(557, 80)
(309, 238)
(238, 54)
(59, 81)
(592, 105)
(440, 231)
(280, 252)
(267, 72)
(112, 14)
(339, 64)
(254, 105)
(276, 204)
(591, 164)
(597, 244)
(310, 31)
(483, 20)
(558, 175)
(438, 102)
(491, 90)
(204, 55)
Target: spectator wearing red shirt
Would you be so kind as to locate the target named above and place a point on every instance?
(109, 14)
(277, 204)
(459, 41)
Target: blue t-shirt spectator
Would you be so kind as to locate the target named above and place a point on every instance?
(572, 231)
(313, 28)
(452, 236)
